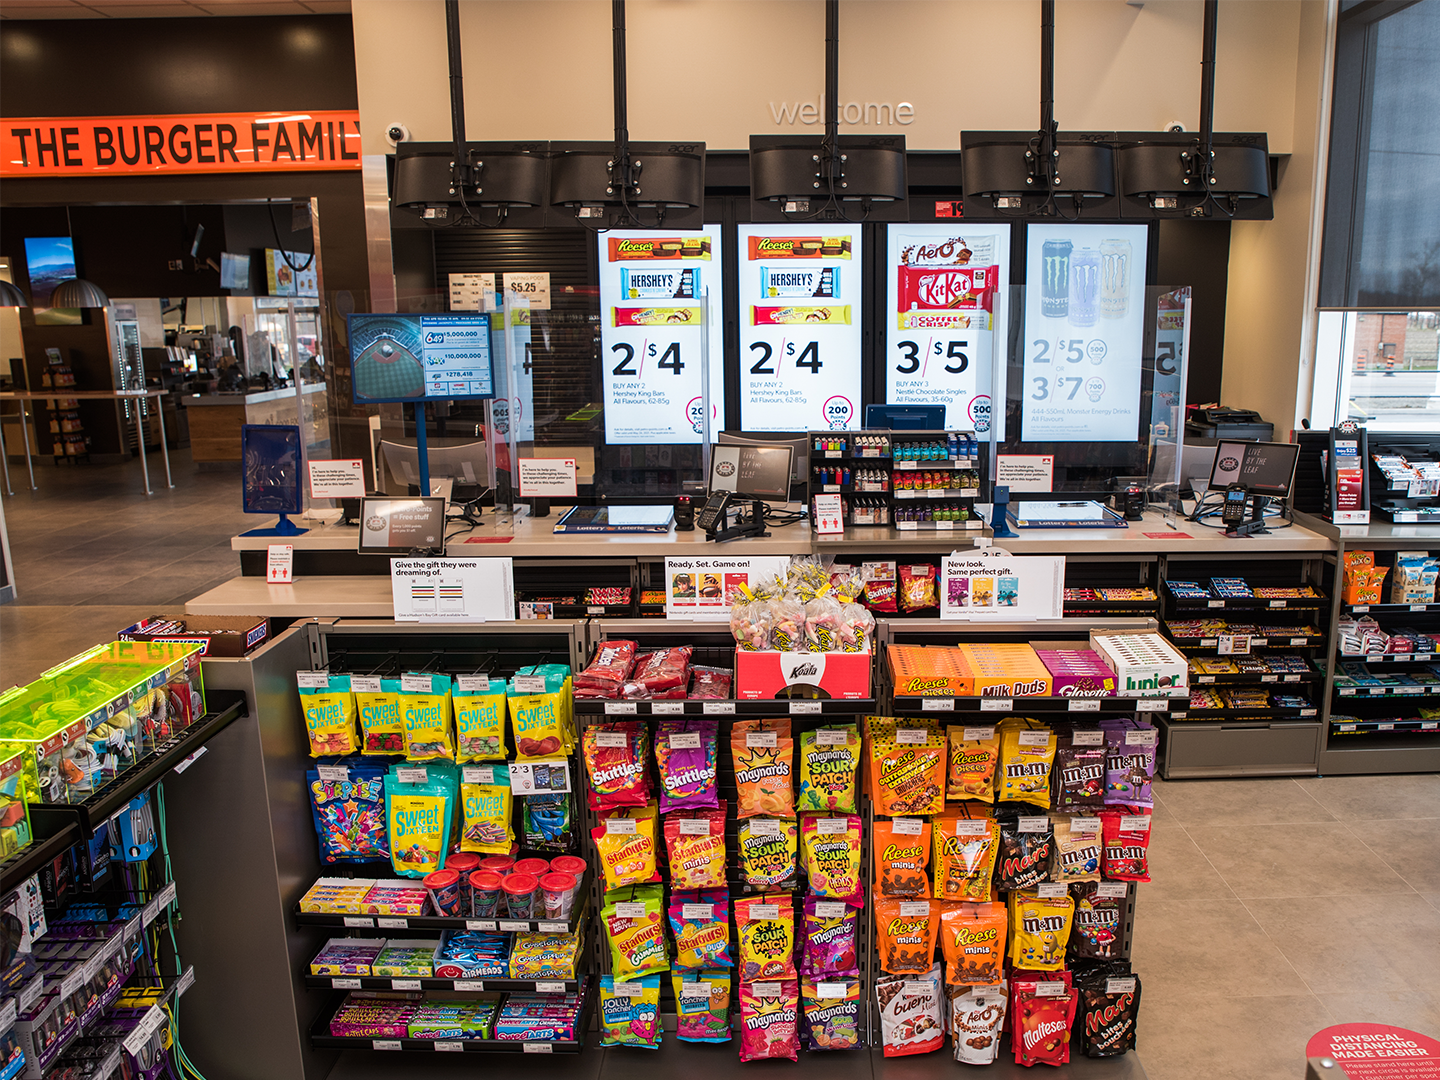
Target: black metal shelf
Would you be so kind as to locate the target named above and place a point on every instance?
(418, 982)
(1389, 609)
(1248, 603)
(722, 709)
(14, 870)
(942, 706)
(1387, 658)
(1359, 726)
(1273, 641)
(1368, 693)
(356, 920)
(1268, 712)
(1255, 678)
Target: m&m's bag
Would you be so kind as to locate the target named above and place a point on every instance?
(1039, 930)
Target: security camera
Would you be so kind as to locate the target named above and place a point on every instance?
(1170, 125)
(397, 133)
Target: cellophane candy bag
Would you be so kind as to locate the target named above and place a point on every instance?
(350, 814)
(919, 587)
(710, 683)
(763, 753)
(485, 811)
(829, 758)
(1077, 779)
(828, 935)
(663, 670)
(420, 817)
(830, 1017)
(751, 622)
(787, 615)
(769, 1020)
(1126, 852)
(625, 843)
(685, 757)
(857, 625)
(1040, 1026)
(702, 1006)
(766, 926)
(823, 616)
(901, 852)
(608, 671)
(767, 852)
(912, 1017)
(977, 1014)
(630, 1017)
(832, 854)
(615, 763)
(330, 713)
(635, 931)
(543, 720)
(695, 842)
(700, 922)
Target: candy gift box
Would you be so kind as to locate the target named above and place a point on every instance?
(1006, 670)
(1074, 672)
(1145, 664)
(930, 671)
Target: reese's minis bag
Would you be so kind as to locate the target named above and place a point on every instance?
(905, 933)
(972, 936)
(901, 853)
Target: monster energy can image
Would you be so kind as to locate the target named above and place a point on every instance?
(1084, 286)
(1114, 278)
(1055, 288)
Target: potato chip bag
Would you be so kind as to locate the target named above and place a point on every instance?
(615, 754)
(769, 1025)
(630, 1012)
(635, 931)
(1027, 751)
(479, 718)
(763, 753)
(829, 757)
(830, 1017)
(965, 843)
(702, 1006)
(912, 1012)
(907, 766)
(485, 810)
(695, 842)
(685, 759)
(429, 727)
(1126, 850)
(1039, 929)
(626, 846)
(974, 751)
(901, 851)
(767, 851)
(832, 854)
(420, 817)
(330, 717)
(828, 935)
(700, 923)
(972, 937)
(766, 925)
(1077, 851)
(905, 933)
(382, 716)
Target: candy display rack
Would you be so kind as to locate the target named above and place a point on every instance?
(913, 481)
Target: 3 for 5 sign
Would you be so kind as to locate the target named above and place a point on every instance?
(799, 327)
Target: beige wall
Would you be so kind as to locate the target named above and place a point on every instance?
(715, 70)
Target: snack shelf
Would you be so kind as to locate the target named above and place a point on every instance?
(719, 708)
(414, 982)
(226, 706)
(1387, 609)
(1421, 691)
(1266, 712)
(1256, 678)
(369, 921)
(974, 524)
(1002, 707)
(1104, 607)
(1272, 642)
(1413, 725)
(1388, 658)
(937, 493)
(1305, 603)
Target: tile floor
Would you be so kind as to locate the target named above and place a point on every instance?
(1278, 907)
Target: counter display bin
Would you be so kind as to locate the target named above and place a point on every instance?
(915, 481)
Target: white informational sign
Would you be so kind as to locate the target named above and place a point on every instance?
(337, 479)
(706, 587)
(947, 289)
(1084, 332)
(546, 477)
(280, 564)
(800, 310)
(453, 590)
(532, 287)
(1002, 586)
(472, 292)
(660, 298)
(829, 514)
(539, 777)
(1026, 472)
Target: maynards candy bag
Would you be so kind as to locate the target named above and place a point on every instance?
(1026, 845)
(977, 1014)
(831, 1013)
(1039, 929)
(626, 846)
(615, 756)
(828, 938)
(695, 841)
(905, 934)
(630, 1012)
(700, 922)
(829, 757)
(763, 753)
(766, 926)
(965, 842)
(702, 1006)
(635, 930)
(1027, 751)
(769, 1020)
(901, 852)
(972, 937)
(767, 851)
(974, 751)
(832, 854)
(907, 766)
(685, 760)
(912, 1018)
(1077, 849)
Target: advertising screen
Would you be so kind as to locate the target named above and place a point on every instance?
(420, 357)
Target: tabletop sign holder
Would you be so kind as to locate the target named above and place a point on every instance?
(1350, 440)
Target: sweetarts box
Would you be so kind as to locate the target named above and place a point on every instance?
(1145, 664)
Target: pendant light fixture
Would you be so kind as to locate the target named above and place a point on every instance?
(76, 292)
(11, 296)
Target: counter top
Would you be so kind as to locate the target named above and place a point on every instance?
(1382, 532)
(257, 397)
(318, 597)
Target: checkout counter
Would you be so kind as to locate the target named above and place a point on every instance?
(215, 419)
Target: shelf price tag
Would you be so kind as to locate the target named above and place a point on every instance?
(413, 774)
(1111, 890)
(620, 708)
(550, 987)
(718, 708)
(619, 826)
(667, 708)
(1050, 988)
(906, 826)
(469, 984)
(911, 736)
(394, 924)
(998, 704)
(973, 734)
(831, 737)
(537, 1048)
(1038, 824)
(335, 773)
(448, 1047)
(140, 1034)
(1117, 985)
(1083, 705)
(385, 1044)
(345, 984)
(685, 740)
(629, 910)
(359, 920)
(404, 984)
(1087, 738)
(760, 740)
(312, 680)
(933, 704)
(830, 909)
(1051, 890)
(552, 927)
(1152, 705)
(478, 774)
(804, 708)
(514, 926)
(694, 827)
(610, 740)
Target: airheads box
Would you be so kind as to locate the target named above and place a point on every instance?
(761, 676)
(1145, 665)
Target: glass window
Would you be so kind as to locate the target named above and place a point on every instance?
(1378, 368)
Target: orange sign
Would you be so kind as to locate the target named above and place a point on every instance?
(190, 143)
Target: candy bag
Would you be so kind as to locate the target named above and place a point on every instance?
(880, 593)
(1078, 776)
(1125, 855)
(382, 716)
(977, 1013)
(700, 922)
(830, 1019)
(1040, 1030)
(429, 734)
(766, 925)
(918, 588)
(626, 846)
(607, 672)
(1039, 929)
(1077, 852)
(635, 930)
(685, 758)
(763, 753)
(832, 854)
(1129, 765)
(857, 628)
(485, 825)
(702, 1006)
(912, 1017)
(828, 938)
(710, 683)
(549, 822)
(966, 842)
(972, 937)
(420, 817)
(1096, 932)
(543, 956)
(479, 718)
(330, 716)
(695, 841)
(615, 756)
(905, 932)
(907, 766)
(974, 752)
(1027, 751)
(350, 814)
(822, 622)
(1026, 845)
(663, 670)
(829, 757)
(751, 623)
(769, 1020)
(541, 720)
(767, 852)
(1109, 1009)
(631, 1017)
(787, 633)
